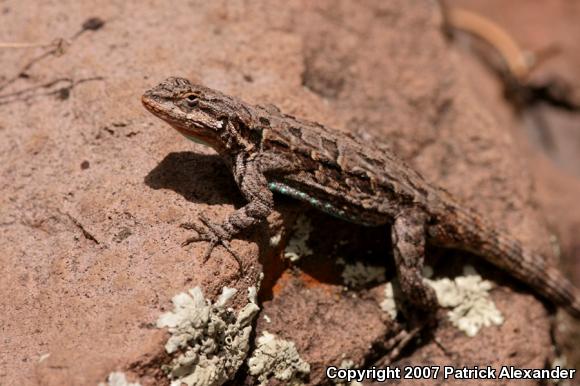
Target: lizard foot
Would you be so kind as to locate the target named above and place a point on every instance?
(396, 344)
(212, 233)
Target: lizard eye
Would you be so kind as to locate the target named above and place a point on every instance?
(191, 100)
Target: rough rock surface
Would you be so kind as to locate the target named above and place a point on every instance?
(93, 188)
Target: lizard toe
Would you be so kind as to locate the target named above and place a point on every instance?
(214, 234)
(196, 239)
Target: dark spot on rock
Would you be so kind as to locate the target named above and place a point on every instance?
(122, 235)
(93, 24)
(85, 165)
(248, 78)
(108, 130)
(63, 93)
(323, 76)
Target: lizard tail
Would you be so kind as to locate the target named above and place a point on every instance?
(532, 269)
(467, 231)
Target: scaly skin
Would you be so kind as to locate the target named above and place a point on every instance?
(267, 151)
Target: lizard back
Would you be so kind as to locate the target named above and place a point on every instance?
(365, 185)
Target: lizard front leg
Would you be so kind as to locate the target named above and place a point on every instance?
(408, 236)
(254, 187)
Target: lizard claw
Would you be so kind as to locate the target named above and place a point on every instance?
(396, 344)
(212, 233)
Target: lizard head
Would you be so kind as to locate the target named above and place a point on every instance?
(197, 112)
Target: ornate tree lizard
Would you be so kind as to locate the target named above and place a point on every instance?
(267, 151)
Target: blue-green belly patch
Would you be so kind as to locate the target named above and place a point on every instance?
(326, 207)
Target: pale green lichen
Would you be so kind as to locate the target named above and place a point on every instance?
(559, 361)
(388, 304)
(210, 341)
(358, 275)
(346, 364)
(278, 358)
(296, 247)
(468, 298)
(118, 379)
(275, 240)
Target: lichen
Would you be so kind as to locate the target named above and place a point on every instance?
(275, 240)
(296, 247)
(468, 298)
(346, 364)
(358, 275)
(388, 304)
(118, 379)
(210, 342)
(559, 361)
(278, 358)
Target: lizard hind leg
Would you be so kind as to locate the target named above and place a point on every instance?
(408, 236)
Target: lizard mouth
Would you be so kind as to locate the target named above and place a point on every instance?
(155, 107)
(189, 125)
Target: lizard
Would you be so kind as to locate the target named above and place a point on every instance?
(268, 151)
